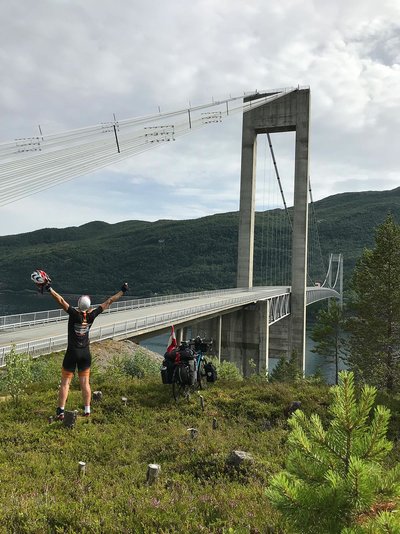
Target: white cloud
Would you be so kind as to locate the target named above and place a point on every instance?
(71, 64)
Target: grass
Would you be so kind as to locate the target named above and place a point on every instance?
(197, 491)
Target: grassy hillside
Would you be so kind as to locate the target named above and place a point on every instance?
(197, 491)
(172, 256)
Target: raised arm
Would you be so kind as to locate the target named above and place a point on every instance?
(58, 298)
(43, 281)
(106, 304)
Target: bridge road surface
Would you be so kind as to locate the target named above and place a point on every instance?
(50, 330)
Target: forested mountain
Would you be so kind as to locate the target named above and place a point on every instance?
(172, 256)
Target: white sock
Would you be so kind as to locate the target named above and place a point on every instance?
(87, 409)
(62, 407)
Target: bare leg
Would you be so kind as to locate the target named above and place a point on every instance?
(64, 389)
(85, 388)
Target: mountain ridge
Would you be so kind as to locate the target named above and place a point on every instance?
(168, 256)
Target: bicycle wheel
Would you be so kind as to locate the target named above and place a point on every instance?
(179, 391)
(202, 376)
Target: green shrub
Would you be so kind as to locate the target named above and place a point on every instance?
(115, 367)
(18, 374)
(140, 365)
(46, 370)
(286, 370)
(3, 381)
(226, 370)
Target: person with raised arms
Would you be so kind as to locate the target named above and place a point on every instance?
(78, 350)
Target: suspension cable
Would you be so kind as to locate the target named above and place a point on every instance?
(34, 164)
(278, 178)
(282, 271)
(316, 227)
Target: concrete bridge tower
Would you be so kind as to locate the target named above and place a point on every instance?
(287, 113)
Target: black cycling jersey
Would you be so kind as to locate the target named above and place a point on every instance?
(79, 324)
(78, 353)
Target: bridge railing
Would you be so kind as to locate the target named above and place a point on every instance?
(135, 326)
(10, 322)
(320, 293)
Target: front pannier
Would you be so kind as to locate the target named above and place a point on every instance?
(167, 370)
(211, 372)
(164, 374)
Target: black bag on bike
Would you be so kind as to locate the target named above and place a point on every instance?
(170, 356)
(211, 372)
(167, 370)
(186, 354)
(184, 374)
(204, 347)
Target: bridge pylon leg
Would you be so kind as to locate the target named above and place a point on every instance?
(289, 112)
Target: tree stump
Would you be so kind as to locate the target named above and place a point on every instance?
(81, 468)
(153, 470)
(193, 432)
(97, 395)
(70, 419)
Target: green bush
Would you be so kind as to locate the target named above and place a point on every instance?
(46, 370)
(140, 365)
(286, 370)
(18, 375)
(3, 381)
(226, 370)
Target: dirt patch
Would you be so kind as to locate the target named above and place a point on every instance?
(105, 351)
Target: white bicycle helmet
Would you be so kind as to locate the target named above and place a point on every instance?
(40, 277)
(84, 303)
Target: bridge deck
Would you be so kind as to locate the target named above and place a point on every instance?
(49, 337)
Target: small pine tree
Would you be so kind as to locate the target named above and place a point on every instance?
(335, 477)
(328, 335)
(18, 374)
(226, 370)
(286, 370)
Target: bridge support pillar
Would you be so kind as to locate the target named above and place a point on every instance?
(218, 337)
(247, 204)
(245, 338)
(263, 352)
(289, 112)
(179, 336)
(279, 339)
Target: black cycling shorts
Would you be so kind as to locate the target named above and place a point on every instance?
(74, 358)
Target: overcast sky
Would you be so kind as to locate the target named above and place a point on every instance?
(66, 64)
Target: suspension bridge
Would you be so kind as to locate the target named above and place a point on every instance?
(249, 322)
